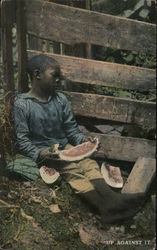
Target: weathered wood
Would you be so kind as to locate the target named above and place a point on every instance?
(78, 49)
(73, 3)
(7, 17)
(124, 148)
(21, 42)
(73, 25)
(112, 108)
(141, 176)
(104, 73)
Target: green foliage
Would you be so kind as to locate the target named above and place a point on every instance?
(142, 10)
(124, 57)
(131, 94)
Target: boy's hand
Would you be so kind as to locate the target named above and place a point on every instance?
(88, 138)
(91, 139)
(55, 156)
(46, 154)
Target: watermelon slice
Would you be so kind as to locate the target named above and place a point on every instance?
(49, 175)
(79, 152)
(112, 175)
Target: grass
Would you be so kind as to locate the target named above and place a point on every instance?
(26, 221)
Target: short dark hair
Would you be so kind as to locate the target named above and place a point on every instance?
(41, 62)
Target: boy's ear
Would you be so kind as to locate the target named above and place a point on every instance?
(36, 74)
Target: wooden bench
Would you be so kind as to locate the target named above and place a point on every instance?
(42, 20)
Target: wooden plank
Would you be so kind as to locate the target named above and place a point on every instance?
(124, 148)
(78, 49)
(7, 8)
(104, 73)
(112, 108)
(71, 25)
(21, 42)
(73, 3)
(141, 176)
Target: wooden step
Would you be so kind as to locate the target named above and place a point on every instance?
(141, 176)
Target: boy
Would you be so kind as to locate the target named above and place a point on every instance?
(43, 117)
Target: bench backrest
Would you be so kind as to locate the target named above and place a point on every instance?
(71, 26)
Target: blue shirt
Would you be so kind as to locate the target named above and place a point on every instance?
(41, 124)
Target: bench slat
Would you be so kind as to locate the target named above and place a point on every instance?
(124, 148)
(73, 25)
(112, 108)
(141, 176)
(103, 73)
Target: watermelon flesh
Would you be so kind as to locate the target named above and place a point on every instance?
(79, 152)
(49, 175)
(112, 175)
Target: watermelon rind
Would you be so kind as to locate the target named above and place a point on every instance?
(47, 178)
(80, 157)
(109, 180)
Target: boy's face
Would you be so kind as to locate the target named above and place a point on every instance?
(49, 79)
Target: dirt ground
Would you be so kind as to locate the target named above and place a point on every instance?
(34, 216)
